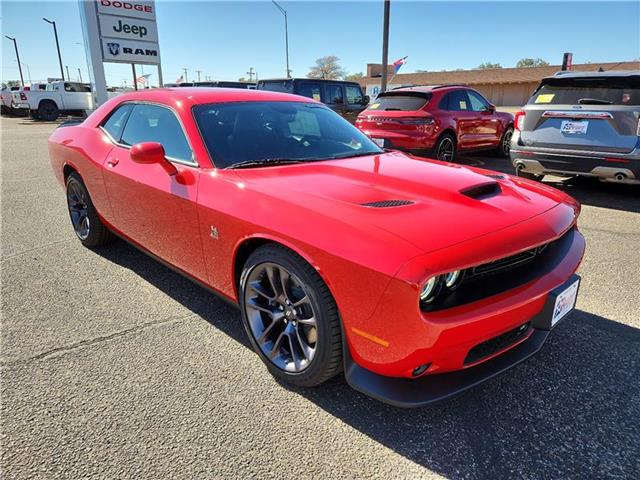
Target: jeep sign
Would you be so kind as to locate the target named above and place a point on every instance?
(129, 28)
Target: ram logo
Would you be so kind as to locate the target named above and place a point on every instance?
(114, 48)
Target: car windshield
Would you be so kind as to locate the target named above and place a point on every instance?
(268, 132)
(588, 91)
(396, 101)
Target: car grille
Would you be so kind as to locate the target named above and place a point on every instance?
(504, 264)
(495, 344)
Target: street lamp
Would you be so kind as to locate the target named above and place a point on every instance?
(55, 32)
(385, 46)
(286, 34)
(15, 45)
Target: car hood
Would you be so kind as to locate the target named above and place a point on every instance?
(427, 203)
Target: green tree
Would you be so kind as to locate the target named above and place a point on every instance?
(353, 77)
(487, 65)
(327, 68)
(531, 62)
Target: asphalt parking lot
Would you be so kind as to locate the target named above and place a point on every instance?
(113, 366)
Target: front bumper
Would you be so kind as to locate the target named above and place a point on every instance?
(408, 393)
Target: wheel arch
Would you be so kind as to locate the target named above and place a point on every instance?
(67, 170)
(247, 245)
(48, 100)
(449, 130)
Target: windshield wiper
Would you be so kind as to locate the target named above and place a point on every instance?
(593, 101)
(353, 154)
(264, 162)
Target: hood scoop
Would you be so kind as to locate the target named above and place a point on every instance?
(387, 203)
(482, 191)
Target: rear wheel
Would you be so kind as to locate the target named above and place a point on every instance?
(505, 143)
(84, 217)
(290, 317)
(445, 149)
(48, 111)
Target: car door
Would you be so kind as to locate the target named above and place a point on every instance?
(156, 210)
(354, 102)
(464, 118)
(75, 96)
(335, 98)
(487, 130)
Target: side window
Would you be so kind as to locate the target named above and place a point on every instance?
(477, 102)
(334, 94)
(153, 123)
(354, 95)
(115, 122)
(444, 102)
(458, 101)
(304, 124)
(308, 89)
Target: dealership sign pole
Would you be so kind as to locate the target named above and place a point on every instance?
(119, 32)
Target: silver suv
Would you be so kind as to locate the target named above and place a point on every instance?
(581, 123)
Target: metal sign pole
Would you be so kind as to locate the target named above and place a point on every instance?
(135, 80)
(91, 33)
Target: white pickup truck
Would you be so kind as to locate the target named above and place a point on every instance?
(59, 97)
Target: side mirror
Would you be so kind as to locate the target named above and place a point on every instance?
(366, 100)
(152, 152)
(491, 108)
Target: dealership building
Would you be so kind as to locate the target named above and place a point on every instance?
(501, 86)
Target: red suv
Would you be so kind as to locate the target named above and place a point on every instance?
(440, 119)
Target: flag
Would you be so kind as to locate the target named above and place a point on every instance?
(398, 64)
(143, 79)
(179, 79)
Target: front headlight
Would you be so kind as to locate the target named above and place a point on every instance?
(429, 290)
(452, 279)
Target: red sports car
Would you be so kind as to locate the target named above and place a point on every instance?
(418, 278)
(441, 119)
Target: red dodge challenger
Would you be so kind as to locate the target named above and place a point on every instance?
(417, 278)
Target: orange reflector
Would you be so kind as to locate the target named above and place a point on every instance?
(368, 336)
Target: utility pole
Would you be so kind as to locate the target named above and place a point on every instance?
(185, 74)
(15, 45)
(251, 72)
(68, 76)
(55, 33)
(80, 74)
(198, 72)
(385, 46)
(286, 35)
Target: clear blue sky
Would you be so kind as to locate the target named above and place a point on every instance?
(224, 39)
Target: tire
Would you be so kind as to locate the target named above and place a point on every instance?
(48, 111)
(446, 148)
(84, 218)
(302, 324)
(505, 143)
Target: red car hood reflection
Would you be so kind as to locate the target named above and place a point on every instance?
(441, 214)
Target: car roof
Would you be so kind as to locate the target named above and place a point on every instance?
(321, 80)
(607, 74)
(202, 95)
(425, 88)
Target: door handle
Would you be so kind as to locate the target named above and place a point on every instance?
(112, 162)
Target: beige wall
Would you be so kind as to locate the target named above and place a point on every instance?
(507, 94)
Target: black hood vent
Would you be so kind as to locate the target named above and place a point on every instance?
(482, 191)
(387, 203)
(497, 176)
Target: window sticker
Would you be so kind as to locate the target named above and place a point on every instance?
(316, 96)
(545, 98)
(463, 105)
(374, 106)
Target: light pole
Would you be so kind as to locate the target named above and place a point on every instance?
(68, 76)
(198, 72)
(15, 45)
(286, 35)
(385, 46)
(55, 33)
(80, 74)
(184, 69)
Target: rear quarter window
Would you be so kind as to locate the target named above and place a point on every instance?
(588, 91)
(406, 103)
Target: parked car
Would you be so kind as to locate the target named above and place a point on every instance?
(345, 98)
(217, 84)
(581, 123)
(420, 278)
(6, 95)
(59, 97)
(439, 121)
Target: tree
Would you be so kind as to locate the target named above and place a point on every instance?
(354, 76)
(327, 68)
(243, 80)
(487, 65)
(531, 62)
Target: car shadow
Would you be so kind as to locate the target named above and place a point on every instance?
(572, 411)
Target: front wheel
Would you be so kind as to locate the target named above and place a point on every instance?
(290, 317)
(85, 220)
(505, 143)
